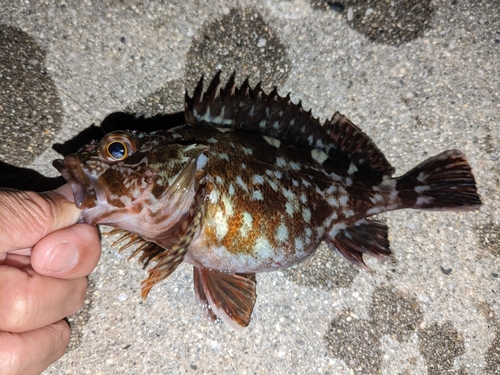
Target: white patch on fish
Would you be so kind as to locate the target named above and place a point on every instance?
(281, 233)
(272, 141)
(318, 155)
(246, 225)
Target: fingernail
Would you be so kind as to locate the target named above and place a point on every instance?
(61, 258)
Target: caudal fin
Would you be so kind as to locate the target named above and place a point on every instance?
(442, 182)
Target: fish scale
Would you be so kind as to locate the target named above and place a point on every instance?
(251, 183)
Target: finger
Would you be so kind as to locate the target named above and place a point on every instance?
(30, 353)
(67, 253)
(26, 216)
(25, 252)
(31, 301)
(15, 260)
(66, 191)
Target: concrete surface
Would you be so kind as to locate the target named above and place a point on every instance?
(418, 79)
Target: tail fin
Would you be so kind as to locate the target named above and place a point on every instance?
(442, 182)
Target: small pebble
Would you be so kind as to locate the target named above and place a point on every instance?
(445, 271)
(350, 14)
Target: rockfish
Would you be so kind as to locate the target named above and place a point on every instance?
(251, 183)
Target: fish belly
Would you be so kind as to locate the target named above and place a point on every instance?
(241, 234)
(263, 257)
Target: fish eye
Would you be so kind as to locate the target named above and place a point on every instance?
(117, 150)
(117, 146)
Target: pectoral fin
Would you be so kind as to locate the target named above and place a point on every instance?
(170, 254)
(167, 260)
(228, 296)
(148, 249)
(362, 237)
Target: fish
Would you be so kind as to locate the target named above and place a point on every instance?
(251, 182)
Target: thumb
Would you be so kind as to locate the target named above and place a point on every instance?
(26, 217)
(67, 253)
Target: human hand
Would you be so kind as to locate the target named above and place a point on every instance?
(44, 260)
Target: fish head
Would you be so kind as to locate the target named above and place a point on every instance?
(129, 177)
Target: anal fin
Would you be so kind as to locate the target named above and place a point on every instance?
(362, 237)
(229, 296)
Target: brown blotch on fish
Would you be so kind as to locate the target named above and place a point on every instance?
(251, 183)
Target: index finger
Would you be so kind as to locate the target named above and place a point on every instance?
(26, 216)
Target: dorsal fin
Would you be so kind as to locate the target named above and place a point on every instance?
(276, 116)
(351, 140)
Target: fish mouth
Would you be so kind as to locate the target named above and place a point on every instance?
(83, 190)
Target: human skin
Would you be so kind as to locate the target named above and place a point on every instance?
(44, 260)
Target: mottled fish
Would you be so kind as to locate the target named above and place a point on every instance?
(251, 183)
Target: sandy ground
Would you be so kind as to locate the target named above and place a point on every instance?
(417, 79)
